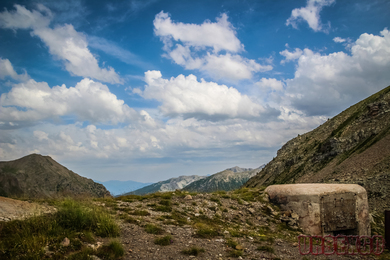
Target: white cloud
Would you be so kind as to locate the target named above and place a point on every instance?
(197, 47)
(187, 97)
(326, 84)
(290, 56)
(64, 42)
(6, 69)
(92, 101)
(219, 36)
(270, 83)
(311, 14)
(339, 39)
(22, 18)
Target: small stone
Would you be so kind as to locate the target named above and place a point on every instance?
(130, 251)
(188, 197)
(226, 232)
(65, 242)
(220, 240)
(239, 257)
(239, 247)
(295, 244)
(252, 211)
(294, 216)
(251, 238)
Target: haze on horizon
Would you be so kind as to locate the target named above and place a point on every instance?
(150, 90)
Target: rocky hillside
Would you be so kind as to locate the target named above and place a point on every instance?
(227, 180)
(168, 185)
(37, 176)
(352, 147)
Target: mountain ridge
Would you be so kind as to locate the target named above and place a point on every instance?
(352, 147)
(36, 176)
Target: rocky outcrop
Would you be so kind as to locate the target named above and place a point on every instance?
(37, 176)
(352, 147)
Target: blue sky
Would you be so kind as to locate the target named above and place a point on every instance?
(149, 90)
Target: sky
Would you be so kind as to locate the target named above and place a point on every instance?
(147, 90)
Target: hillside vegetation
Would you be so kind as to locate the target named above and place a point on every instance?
(352, 147)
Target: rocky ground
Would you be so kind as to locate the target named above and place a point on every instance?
(180, 225)
(234, 225)
(11, 209)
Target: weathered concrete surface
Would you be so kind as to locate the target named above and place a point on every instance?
(316, 216)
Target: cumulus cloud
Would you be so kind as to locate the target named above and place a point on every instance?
(324, 84)
(270, 83)
(7, 70)
(64, 42)
(198, 47)
(290, 56)
(188, 97)
(311, 14)
(91, 101)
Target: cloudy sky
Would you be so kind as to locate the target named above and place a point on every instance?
(146, 90)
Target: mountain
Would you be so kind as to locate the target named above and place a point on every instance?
(352, 147)
(37, 176)
(238, 169)
(168, 185)
(227, 180)
(120, 187)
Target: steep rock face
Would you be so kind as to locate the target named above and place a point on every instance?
(226, 180)
(35, 176)
(352, 147)
(168, 185)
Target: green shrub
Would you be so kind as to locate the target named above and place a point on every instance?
(195, 251)
(235, 253)
(163, 241)
(206, 231)
(140, 213)
(114, 250)
(266, 249)
(152, 229)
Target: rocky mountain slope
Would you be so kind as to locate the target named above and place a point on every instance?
(352, 147)
(168, 185)
(121, 187)
(36, 176)
(227, 180)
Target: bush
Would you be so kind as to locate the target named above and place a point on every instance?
(163, 241)
(195, 251)
(152, 229)
(113, 250)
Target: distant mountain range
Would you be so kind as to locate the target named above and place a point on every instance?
(37, 176)
(227, 180)
(352, 147)
(121, 187)
(168, 185)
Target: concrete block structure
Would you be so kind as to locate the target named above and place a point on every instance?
(325, 208)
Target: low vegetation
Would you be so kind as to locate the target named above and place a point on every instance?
(40, 236)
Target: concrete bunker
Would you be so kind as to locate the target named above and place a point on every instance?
(325, 208)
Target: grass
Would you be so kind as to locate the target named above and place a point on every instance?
(153, 229)
(163, 241)
(195, 251)
(76, 220)
(113, 250)
(206, 231)
(266, 249)
(140, 213)
(235, 253)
